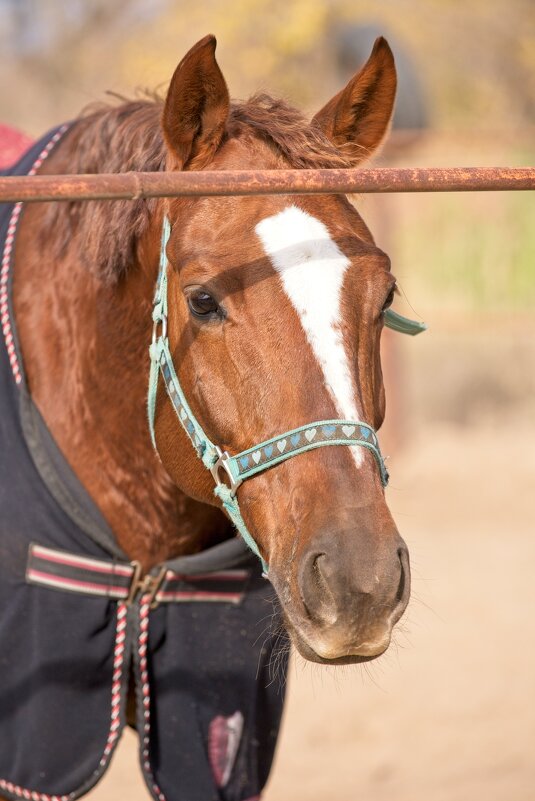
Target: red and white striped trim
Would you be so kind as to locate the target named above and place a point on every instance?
(64, 571)
(144, 611)
(181, 596)
(117, 683)
(7, 327)
(85, 562)
(166, 593)
(107, 591)
(32, 795)
(115, 722)
(222, 575)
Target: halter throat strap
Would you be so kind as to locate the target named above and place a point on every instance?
(229, 471)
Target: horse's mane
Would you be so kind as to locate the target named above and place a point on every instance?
(302, 145)
(119, 138)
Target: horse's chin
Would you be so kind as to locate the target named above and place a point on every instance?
(307, 652)
(311, 656)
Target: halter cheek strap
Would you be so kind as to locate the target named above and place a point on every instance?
(230, 471)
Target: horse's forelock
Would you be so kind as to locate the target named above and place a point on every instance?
(302, 145)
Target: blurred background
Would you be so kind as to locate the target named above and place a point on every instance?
(449, 713)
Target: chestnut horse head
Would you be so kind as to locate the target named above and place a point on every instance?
(275, 312)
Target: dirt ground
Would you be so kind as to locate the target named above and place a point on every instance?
(448, 714)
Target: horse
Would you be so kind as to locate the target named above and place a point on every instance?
(274, 308)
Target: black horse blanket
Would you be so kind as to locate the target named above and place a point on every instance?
(76, 620)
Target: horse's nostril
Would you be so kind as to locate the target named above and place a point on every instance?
(316, 595)
(336, 586)
(401, 587)
(404, 581)
(317, 573)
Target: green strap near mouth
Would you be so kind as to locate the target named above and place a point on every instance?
(232, 508)
(403, 325)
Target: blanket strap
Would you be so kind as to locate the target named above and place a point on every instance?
(125, 581)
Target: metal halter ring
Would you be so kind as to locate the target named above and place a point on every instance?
(222, 464)
(156, 324)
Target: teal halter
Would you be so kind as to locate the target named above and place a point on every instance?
(230, 471)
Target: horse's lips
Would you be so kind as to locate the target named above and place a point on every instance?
(308, 652)
(310, 655)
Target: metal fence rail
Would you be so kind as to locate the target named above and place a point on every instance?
(133, 185)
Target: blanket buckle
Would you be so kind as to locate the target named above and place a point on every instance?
(142, 585)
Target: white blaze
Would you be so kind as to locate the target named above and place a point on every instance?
(312, 269)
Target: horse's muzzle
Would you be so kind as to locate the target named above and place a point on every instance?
(348, 600)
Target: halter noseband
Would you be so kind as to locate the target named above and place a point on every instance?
(230, 471)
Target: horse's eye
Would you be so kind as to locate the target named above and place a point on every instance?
(202, 304)
(390, 298)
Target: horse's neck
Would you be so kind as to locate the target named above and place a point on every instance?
(85, 354)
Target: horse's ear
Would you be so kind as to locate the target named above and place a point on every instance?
(196, 107)
(357, 118)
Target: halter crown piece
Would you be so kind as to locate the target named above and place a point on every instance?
(230, 471)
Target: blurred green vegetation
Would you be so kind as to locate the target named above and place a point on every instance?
(462, 253)
(476, 60)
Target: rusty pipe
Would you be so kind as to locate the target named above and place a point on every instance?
(134, 185)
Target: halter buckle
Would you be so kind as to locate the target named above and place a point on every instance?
(222, 463)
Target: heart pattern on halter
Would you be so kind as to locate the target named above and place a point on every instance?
(250, 462)
(329, 433)
(181, 410)
(293, 442)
